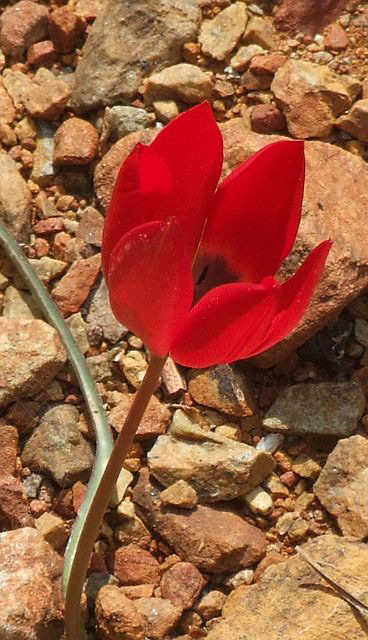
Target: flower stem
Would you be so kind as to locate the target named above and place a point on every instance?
(101, 499)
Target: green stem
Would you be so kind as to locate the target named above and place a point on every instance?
(104, 440)
(102, 496)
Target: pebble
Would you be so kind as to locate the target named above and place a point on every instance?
(159, 616)
(30, 598)
(41, 54)
(79, 330)
(21, 25)
(134, 366)
(299, 16)
(174, 382)
(222, 388)
(179, 494)
(306, 467)
(120, 120)
(355, 123)
(165, 110)
(214, 539)
(211, 603)
(57, 448)
(15, 199)
(76, 143)
(31, 354)
(134, 565)
(324, 408)
(7, 110)
(218, 37)
(336, 38)
(245, 576)
(14, 507)
(53, 530)
(155, 420)
(182, 584)
(117, 616)
(267, 118)
(241, 60)
(8, 448)
(19, 304)
(258, 501)
(341, 486)
(270, 442)
(125, 479)
(65, 28)
(102, 324)
(44, 96)
(184, 82)
(259, 31)
(43, 169)
(216, 467)
(73, 289)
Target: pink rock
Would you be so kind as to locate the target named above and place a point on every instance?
(74, 288)
(267, 118)
(41, 54)
(49, 225)
(76, 142)
(336, 38)
(14, 508)
(267, 64)
(8, 448)
(308, 16)
(21, 25)
(65, 28)
(154, 422)
(182, 584)
(134, 565)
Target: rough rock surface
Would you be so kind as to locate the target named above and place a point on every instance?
(101, 322)
(117, 616)
(14, 507)
(311, 97)
(30, 595)
(324, 408)
(219, 36)
(134, 565)
(222, 388)
(182, 584)
(15, 199)
(292, 601)
(154, 422)
(44, 96)
(111, 69)
(159, 616)
(73, 289)
(217, 467)
(308, 16)
(21, 25)
(57, 448)
(76, 142)
(342, 486)
(31, 354)
(356, 121)
(214, 539)
(183, 82)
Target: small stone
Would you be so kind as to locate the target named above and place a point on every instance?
(361, 331)
(325, 408)
(99, 367)
(298, 530)
(258, 501)
(30, 356)
(159, 616)
(303, 502)
(7, 110)
(182, 584)
(308, 16)
(79, 330)
(222, 388)
(134, 565)
(270, 559)
(355, 123)
(47, 268)
(211, 603)
(101, 321)
(336, 38)
(259, 31)
(135, 591)
(14, 508)
(53, 530)
(124, 480)
(219, 36)
(117, 616)
(41, 54)
(57, 448)
(266, 64)
(30, 598)
(21, 25)
(270, 443)
(120, 120)
(174, 382)
(134, 366)
(214, 539)
(73, 289)
(8, 448)
(274, 486)
(217, 467)
(76, 142)
(91, 226)
(44, 96)
(179, 494)
(132, 530)
(165, 110)
(341, 486)
(20, 304)
(65, 28)
(306, 467)
(43, 167)
(241, 60)
(284, 523)
(15, 199)
(245, 576)
(155, 419)
(184, 82)
(267, 118)
(49, 225)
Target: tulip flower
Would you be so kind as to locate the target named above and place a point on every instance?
(190, 266)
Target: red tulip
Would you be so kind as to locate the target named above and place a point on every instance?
(190, 267)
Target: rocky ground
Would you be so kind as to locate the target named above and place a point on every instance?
(232, 467)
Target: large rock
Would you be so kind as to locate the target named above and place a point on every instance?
(329, 211)
(312, 96)
(57, 448)
(31, 354)
(292, 600)
(129, 41)
(308, 16)
(217, 467)
(342, 486)
(15, 199)
(30, 595)
(325, 408)
(214, 539)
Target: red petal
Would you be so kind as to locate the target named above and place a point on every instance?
(150, 282)
(238, 321)
(229, 319)
(142, 182)
(293, 297)
(191, 145)
(257, 211)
